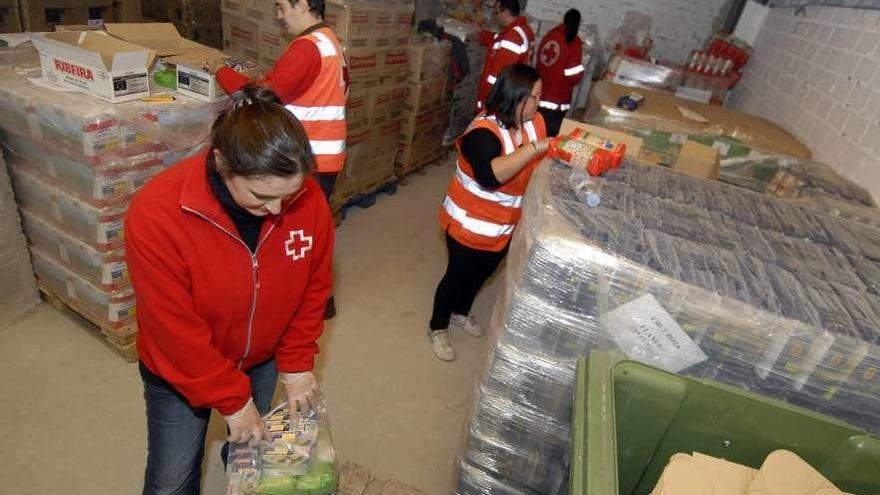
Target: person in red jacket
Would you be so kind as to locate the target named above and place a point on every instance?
(496, 157)
(513, 45)
(560, 65)
(311, 78)
(229, 253)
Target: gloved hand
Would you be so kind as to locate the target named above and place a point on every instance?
(246, 424)
(301, 389)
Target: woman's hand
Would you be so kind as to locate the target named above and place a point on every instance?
(246, 424)
(542, 144)
(301, 390)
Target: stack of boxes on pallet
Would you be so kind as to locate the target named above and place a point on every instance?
(376, 38)
(464, 93)
(196, 20)
(18, 293)
(426, 109)
(75, 163)
(10, 21)
(44, 15)
(251, 31)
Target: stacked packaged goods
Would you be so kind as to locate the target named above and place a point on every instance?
(19, 291)
(464, 92)
(252, 31)
(75, 164)
(376, 38)
(426, 107)
(693, 276)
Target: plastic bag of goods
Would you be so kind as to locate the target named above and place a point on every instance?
(298, 460)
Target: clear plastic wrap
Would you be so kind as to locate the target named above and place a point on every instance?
(101, 228)
(109, 309)
(768, 306)
(105, 269)
(298, 460)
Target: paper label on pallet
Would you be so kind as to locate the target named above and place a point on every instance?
(121, 311)
(774, 350)
(114, 273)
(110, 232)
(647, 333)
(71, 288)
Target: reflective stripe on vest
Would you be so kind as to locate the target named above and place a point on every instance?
(475, 225)
(571, 71)
(474, 188)
(317, 113)
(325, 46)
(553, 106)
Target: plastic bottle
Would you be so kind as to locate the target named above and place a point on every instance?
(585, 188)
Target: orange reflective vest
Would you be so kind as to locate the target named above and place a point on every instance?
(482, 218)
(321, 109)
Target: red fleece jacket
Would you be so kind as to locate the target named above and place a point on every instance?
(207, 309)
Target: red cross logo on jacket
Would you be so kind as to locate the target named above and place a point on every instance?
(298, 245)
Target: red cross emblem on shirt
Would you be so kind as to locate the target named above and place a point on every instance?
(550, 53)
(298, 245)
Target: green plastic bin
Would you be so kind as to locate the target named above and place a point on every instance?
(629, 419)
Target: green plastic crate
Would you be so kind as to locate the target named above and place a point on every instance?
(629, 419)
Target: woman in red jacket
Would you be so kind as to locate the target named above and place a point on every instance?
(561, 67)
(230, 257)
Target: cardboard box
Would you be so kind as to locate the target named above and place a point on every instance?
(361, 60)
(426, 95)
(666, 112)
(428, 60)
(356, 112)
(392, 59)
(241, 31)
(693, 158)
(232, 7)
(384, 104)
(351, 22)
(96, 64)
(403, 20)
(10, 21)
(273, 44)
(262, 12)
(413, 124)
(361, 82)
(188, 56)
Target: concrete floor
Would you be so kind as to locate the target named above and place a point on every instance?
(72, 419)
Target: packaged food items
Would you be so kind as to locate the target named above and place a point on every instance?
(298, 460)
(593, 153)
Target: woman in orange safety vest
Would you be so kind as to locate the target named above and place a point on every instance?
(496, 157)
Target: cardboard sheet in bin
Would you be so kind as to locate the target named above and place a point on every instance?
(94, 63)
(669, 113)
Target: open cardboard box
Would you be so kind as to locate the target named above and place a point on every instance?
(693, 159)
(669, 113)
(187, 56)
(96, 64)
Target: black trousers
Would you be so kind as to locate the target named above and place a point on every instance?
(466, 272)
(327, 182)
(553, 119)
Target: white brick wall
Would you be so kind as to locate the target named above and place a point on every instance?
(816, 71)
(678, 26)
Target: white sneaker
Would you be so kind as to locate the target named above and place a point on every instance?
(468, 324)
(440, 345)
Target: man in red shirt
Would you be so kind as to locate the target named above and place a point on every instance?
(561, 67)
(311, 79)
(513, 45)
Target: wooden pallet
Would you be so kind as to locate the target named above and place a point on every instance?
(404, 172)
(119, 340)
(367, 199)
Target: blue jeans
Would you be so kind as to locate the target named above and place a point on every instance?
(176, 431)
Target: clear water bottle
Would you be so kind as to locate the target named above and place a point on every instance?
(586, 188)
